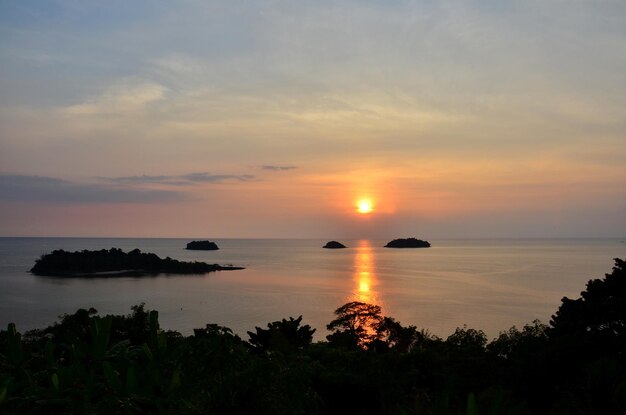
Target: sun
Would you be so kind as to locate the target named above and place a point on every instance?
(364, 206)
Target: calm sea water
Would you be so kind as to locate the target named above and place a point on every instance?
(486, 284)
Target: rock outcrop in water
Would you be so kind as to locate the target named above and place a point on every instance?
(115, 262)
(202, 246)
(334, 245)
(408, 243)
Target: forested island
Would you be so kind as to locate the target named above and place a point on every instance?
(202, 246)
(370, 364)
(408, 243)
(334, 245)
(115, 262)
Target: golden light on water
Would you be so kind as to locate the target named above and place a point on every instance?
(364, 283)
(364, 275)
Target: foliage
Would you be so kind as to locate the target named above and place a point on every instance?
(285, 336)
(408, 243)
(202, 246)
(87, 363)
(84, 263)
(356, 325)
(596, 320)
(591, 331)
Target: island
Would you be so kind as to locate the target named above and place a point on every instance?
(334, 245)
(115, 262)
(408, 243)
(202, 246)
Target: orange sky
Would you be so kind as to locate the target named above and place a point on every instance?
(457, 119)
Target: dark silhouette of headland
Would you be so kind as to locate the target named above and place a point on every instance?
(334, 245)
(115, 262)
(408, 243)
(202, 246)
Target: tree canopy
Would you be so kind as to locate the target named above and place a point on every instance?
(285, 336)
(356, 324)
(596, 321)
(371, 365)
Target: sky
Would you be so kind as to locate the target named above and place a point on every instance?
(273, 119)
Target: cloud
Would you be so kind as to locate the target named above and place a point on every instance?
(278, 168)
(126, 96)
(42, 189)
(182, 180)
(217, 178)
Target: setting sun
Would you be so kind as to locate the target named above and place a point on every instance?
(364, 206)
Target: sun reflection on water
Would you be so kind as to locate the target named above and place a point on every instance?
(365, 275)
(364, 282)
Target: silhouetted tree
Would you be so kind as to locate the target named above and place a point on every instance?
(134, 327)
(518, 359)
(285, 336)
(515, 344)
(596, 321)
(587, 346)
(467, 339)
(356, 325)
(464, 352)
(391, 335)
(72, 327)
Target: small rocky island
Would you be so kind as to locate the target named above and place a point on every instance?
(408, 243)
(202, 246)
(115, 262)
(334, 245)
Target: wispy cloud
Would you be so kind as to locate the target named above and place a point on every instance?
(52, 190)
(126, 96)
(182, 180)
(217, 178)
(278, 168)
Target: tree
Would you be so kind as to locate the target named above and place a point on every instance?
(596, 321)
(394, 336)
(470, 341)
(356, 325)
(520, 345)
(587, 346)
(285, 336)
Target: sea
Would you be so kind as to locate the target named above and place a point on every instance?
(483, 284)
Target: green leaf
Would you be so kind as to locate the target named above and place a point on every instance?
(175, 382)
(14, 340)
(131, 380)
(55, 382)
(154, 330)
(49, 352)
(111, 376)
(471, 404)
(148, 352)
(100, 335)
